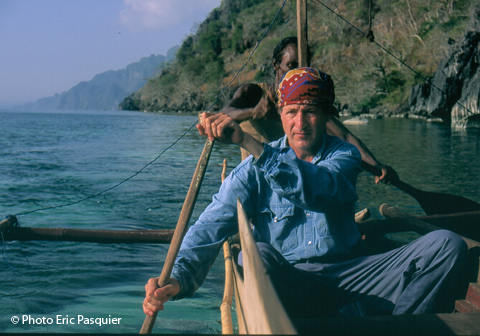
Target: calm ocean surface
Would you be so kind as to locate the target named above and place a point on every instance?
(52, 159)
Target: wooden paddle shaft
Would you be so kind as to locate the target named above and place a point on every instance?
(181, 227)
(415, 223)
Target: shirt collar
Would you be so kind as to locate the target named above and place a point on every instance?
(318, 156)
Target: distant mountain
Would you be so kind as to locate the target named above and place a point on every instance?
(106, 90)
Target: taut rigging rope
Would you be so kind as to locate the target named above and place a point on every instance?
(370, 37)
(177, 140)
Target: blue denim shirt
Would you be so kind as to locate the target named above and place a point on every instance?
(303, 209)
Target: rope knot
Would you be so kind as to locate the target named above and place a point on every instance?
(370, 36)
(13, 220)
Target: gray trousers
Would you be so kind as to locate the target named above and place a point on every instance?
(418, 278)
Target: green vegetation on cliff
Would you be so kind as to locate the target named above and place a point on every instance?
(418, 32)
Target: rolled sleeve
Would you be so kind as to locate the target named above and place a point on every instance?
(204, 239)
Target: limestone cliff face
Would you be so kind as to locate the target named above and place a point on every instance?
(458, 76)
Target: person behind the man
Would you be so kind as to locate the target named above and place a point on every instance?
(253, 107)
(299, 193)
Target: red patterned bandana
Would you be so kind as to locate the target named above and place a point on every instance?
(305, 86)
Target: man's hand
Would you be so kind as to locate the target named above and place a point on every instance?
(221, 127)
(155, 297)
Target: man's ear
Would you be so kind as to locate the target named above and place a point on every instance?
(275, 65)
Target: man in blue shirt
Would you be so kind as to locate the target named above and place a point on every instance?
(299, 192)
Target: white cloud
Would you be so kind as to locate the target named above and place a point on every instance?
(141, 15)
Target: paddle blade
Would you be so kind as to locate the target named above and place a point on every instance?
(441, 204)
(438, 203)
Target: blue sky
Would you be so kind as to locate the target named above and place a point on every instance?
(48, 46)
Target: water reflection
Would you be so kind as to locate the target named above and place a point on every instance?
(428, 156)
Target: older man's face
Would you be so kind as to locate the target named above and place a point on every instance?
(304, 126)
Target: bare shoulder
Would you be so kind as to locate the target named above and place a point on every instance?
(247, 96)
(248, 89)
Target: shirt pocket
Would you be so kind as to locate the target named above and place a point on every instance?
(280, 221)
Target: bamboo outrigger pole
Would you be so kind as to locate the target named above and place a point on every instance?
(410, 222)
(302, 33)
(92, 236)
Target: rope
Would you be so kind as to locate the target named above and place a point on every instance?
(249, 57)
(370, 37)
(15, 223)
(5, 253)
(289, 16)
(115, 186)
(175, 142)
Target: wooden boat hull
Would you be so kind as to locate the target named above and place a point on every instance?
(429, 324)
(261, 309)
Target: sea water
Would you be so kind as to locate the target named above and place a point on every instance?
(51, 159)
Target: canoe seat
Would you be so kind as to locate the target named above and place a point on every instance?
(471, 304)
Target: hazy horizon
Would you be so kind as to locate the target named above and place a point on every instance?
(49, 46)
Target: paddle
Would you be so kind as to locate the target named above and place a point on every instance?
(437, 203)
(431, 202)
(181, 227)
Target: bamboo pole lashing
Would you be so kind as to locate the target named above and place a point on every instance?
(7, 223)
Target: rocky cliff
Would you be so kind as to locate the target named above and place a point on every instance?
(367, 78)
(453, 93)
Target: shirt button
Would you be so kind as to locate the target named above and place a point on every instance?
(275, 219)
(308, 213)
(310, 242)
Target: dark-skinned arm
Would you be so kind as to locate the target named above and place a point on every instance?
(381, 172)
(251, 103)
(242, 106)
